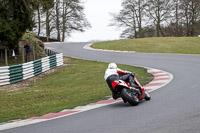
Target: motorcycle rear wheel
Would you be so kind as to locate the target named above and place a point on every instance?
(129, 97)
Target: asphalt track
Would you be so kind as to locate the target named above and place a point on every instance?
(175, 108)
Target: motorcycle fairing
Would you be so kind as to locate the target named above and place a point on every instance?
(120, 83)
(143, 93)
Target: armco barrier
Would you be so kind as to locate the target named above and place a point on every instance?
(16, 73)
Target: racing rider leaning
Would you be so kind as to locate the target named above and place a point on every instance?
(112, 73)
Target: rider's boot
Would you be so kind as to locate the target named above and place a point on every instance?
(115, 95)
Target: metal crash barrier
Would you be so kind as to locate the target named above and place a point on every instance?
(17, 73)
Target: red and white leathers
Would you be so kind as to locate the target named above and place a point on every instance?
(112, 74)
(117, 71)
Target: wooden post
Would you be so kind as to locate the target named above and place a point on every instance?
(35, 44)
(23, 55)
(1, 55)
(6, 57)
(33, 51)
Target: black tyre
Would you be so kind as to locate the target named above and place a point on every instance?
(147, 96)
(129, 97)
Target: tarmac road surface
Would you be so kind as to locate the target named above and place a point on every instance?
(175, 108)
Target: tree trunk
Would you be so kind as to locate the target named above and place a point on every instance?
(39, 21)
(57, 20)
(157, 30)
(140, 20)
(47, 24)
(158, 20)
(177, 20)
(64, 22)
(6, 57)
(193, 19)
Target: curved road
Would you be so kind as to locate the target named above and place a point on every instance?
(175, 108)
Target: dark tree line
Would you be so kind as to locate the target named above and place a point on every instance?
(51, 18)
(149, 18)
(15, 19)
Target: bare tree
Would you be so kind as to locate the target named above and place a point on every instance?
(38, 13)
(73, 18)
(130, 17)
(159, 11)
(125, 19)
(190, 14)
(177, 16)
(139, 13)
(48, 11)
(59, 18)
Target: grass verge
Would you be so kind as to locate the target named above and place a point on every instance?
(179, 45)
(79, 83)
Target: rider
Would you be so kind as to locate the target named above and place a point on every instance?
(112, 73)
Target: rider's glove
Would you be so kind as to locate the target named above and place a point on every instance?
(133, 74)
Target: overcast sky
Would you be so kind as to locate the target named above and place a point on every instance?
(97, 13)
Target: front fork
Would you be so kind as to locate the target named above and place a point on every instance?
(143, 94)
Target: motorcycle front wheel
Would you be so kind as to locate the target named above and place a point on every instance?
(147, 96)
(129, 97)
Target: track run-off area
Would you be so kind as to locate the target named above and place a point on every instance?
(173, 108)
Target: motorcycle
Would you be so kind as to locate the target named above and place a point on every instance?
(129, 94)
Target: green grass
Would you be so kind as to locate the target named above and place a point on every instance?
(11, 62)
(79, 83)
(179, 45)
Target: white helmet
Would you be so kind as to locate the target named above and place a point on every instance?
(112, 66)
